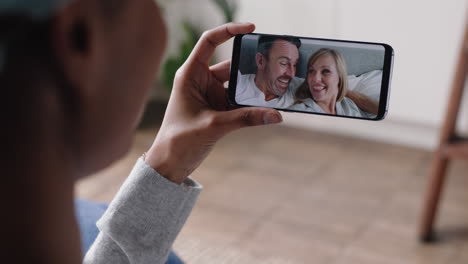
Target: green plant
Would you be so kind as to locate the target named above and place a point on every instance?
(228, 8)
(173, 63)
(191, 36)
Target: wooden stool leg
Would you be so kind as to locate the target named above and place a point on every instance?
(433, 193)
(441, 159)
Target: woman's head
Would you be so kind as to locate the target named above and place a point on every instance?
(326, 79)
(90, 62)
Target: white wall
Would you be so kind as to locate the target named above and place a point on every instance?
(203, 14)
(425, 34)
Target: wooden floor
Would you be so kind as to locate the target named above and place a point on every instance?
(281, 195)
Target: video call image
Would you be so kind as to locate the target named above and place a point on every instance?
(307, 75)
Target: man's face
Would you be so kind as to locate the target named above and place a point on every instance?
(280, 66)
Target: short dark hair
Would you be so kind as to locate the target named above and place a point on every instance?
(266, 42)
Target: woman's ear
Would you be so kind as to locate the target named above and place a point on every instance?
(73, 43)
(79, 37)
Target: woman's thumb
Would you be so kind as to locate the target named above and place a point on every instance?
(250, 116)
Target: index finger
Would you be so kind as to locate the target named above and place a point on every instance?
(210, 39)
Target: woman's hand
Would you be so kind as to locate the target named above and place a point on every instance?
(197, 115)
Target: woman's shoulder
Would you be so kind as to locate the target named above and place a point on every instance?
(348, 107)
(348, 102)
(308, 105)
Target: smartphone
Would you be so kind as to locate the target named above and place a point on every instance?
(311, 75)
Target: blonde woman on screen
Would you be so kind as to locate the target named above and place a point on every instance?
(325, 86)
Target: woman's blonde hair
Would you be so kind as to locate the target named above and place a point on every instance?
(303, 92)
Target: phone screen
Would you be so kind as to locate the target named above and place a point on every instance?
(310, 75)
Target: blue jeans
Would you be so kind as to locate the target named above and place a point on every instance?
(87, 214)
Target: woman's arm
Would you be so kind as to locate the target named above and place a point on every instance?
(144, 219)
(364, 102)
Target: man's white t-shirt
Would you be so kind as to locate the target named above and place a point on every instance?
(247, 93)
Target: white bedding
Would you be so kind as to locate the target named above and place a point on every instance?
(367, 83)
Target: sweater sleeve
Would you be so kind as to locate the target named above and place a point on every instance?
(144, 218)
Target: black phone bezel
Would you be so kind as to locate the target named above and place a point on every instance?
(385, 86)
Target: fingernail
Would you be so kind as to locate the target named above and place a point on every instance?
(272, 118)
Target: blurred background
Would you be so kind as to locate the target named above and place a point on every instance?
(322, 189)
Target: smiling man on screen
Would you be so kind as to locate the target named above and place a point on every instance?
(274, 82)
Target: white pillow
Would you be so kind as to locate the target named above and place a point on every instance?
(367, 83)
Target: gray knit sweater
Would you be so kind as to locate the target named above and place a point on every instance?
(144, 218)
